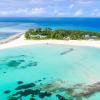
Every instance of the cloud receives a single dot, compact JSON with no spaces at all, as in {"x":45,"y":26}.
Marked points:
{"x":25,"y":12}
{"x":84,"y":1}
{"x":47,"y":7}
{"x":38,"y":11}
{"x":78,"y":13}
{"x":71,"y":6}
{"x":60,"y":13}
{"x":96,"y":12}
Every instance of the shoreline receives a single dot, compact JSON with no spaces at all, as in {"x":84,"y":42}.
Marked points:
{"x":11,"y":38}
{"x":19,"y":40}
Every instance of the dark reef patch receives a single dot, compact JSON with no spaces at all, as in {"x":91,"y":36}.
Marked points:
{"x":4,"y":72}
{"x":18,"y":93}
{"x":61,"y":97}
{"x":17,"y":62}
{"x":24,"y":93}
{"x":39,"y":80}
{"x":13,"y":98}
{"x":7,"y":91}
{"x":60,"y":89}
{"x":20,"y":82}
{"x":44,"y":94}
{"x":26,"y":86}
{"x":14,"y":63}
{"x":32,"y":64}
{"x":27,"y":92}
{"x":44,"y":78}
{"x":32,"y":99}
{"x":32,"y":90}
{"x":35,"y":63}
{"x":23,"y":67}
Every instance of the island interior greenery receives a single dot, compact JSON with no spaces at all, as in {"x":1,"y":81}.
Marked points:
{"x":60,"y":34}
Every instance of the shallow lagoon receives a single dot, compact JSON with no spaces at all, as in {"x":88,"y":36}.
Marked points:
{"x":41,"y":64}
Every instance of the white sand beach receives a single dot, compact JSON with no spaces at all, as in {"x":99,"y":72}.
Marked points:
{"x":21,"y":41}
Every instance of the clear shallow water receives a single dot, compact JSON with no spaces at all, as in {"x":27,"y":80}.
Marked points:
{"x":48,"y":63}
{"x":22,"y":24}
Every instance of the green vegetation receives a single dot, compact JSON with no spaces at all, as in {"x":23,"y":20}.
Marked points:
{"x":60,"y":34}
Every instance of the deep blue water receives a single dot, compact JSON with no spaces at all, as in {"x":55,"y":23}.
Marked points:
{"x":12,"y":24}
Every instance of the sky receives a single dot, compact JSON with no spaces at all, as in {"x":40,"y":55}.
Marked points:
{"x":49,"y":8}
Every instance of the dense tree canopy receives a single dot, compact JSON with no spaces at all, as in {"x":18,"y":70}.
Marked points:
{"x":62,"y":34}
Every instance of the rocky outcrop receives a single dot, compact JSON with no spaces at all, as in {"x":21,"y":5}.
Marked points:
{"x":86,"y":90}
{"x":77,"y":90}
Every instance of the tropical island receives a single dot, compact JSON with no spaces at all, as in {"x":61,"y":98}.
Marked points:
{"x":48,"y":36}
{"x":60,"y":34}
